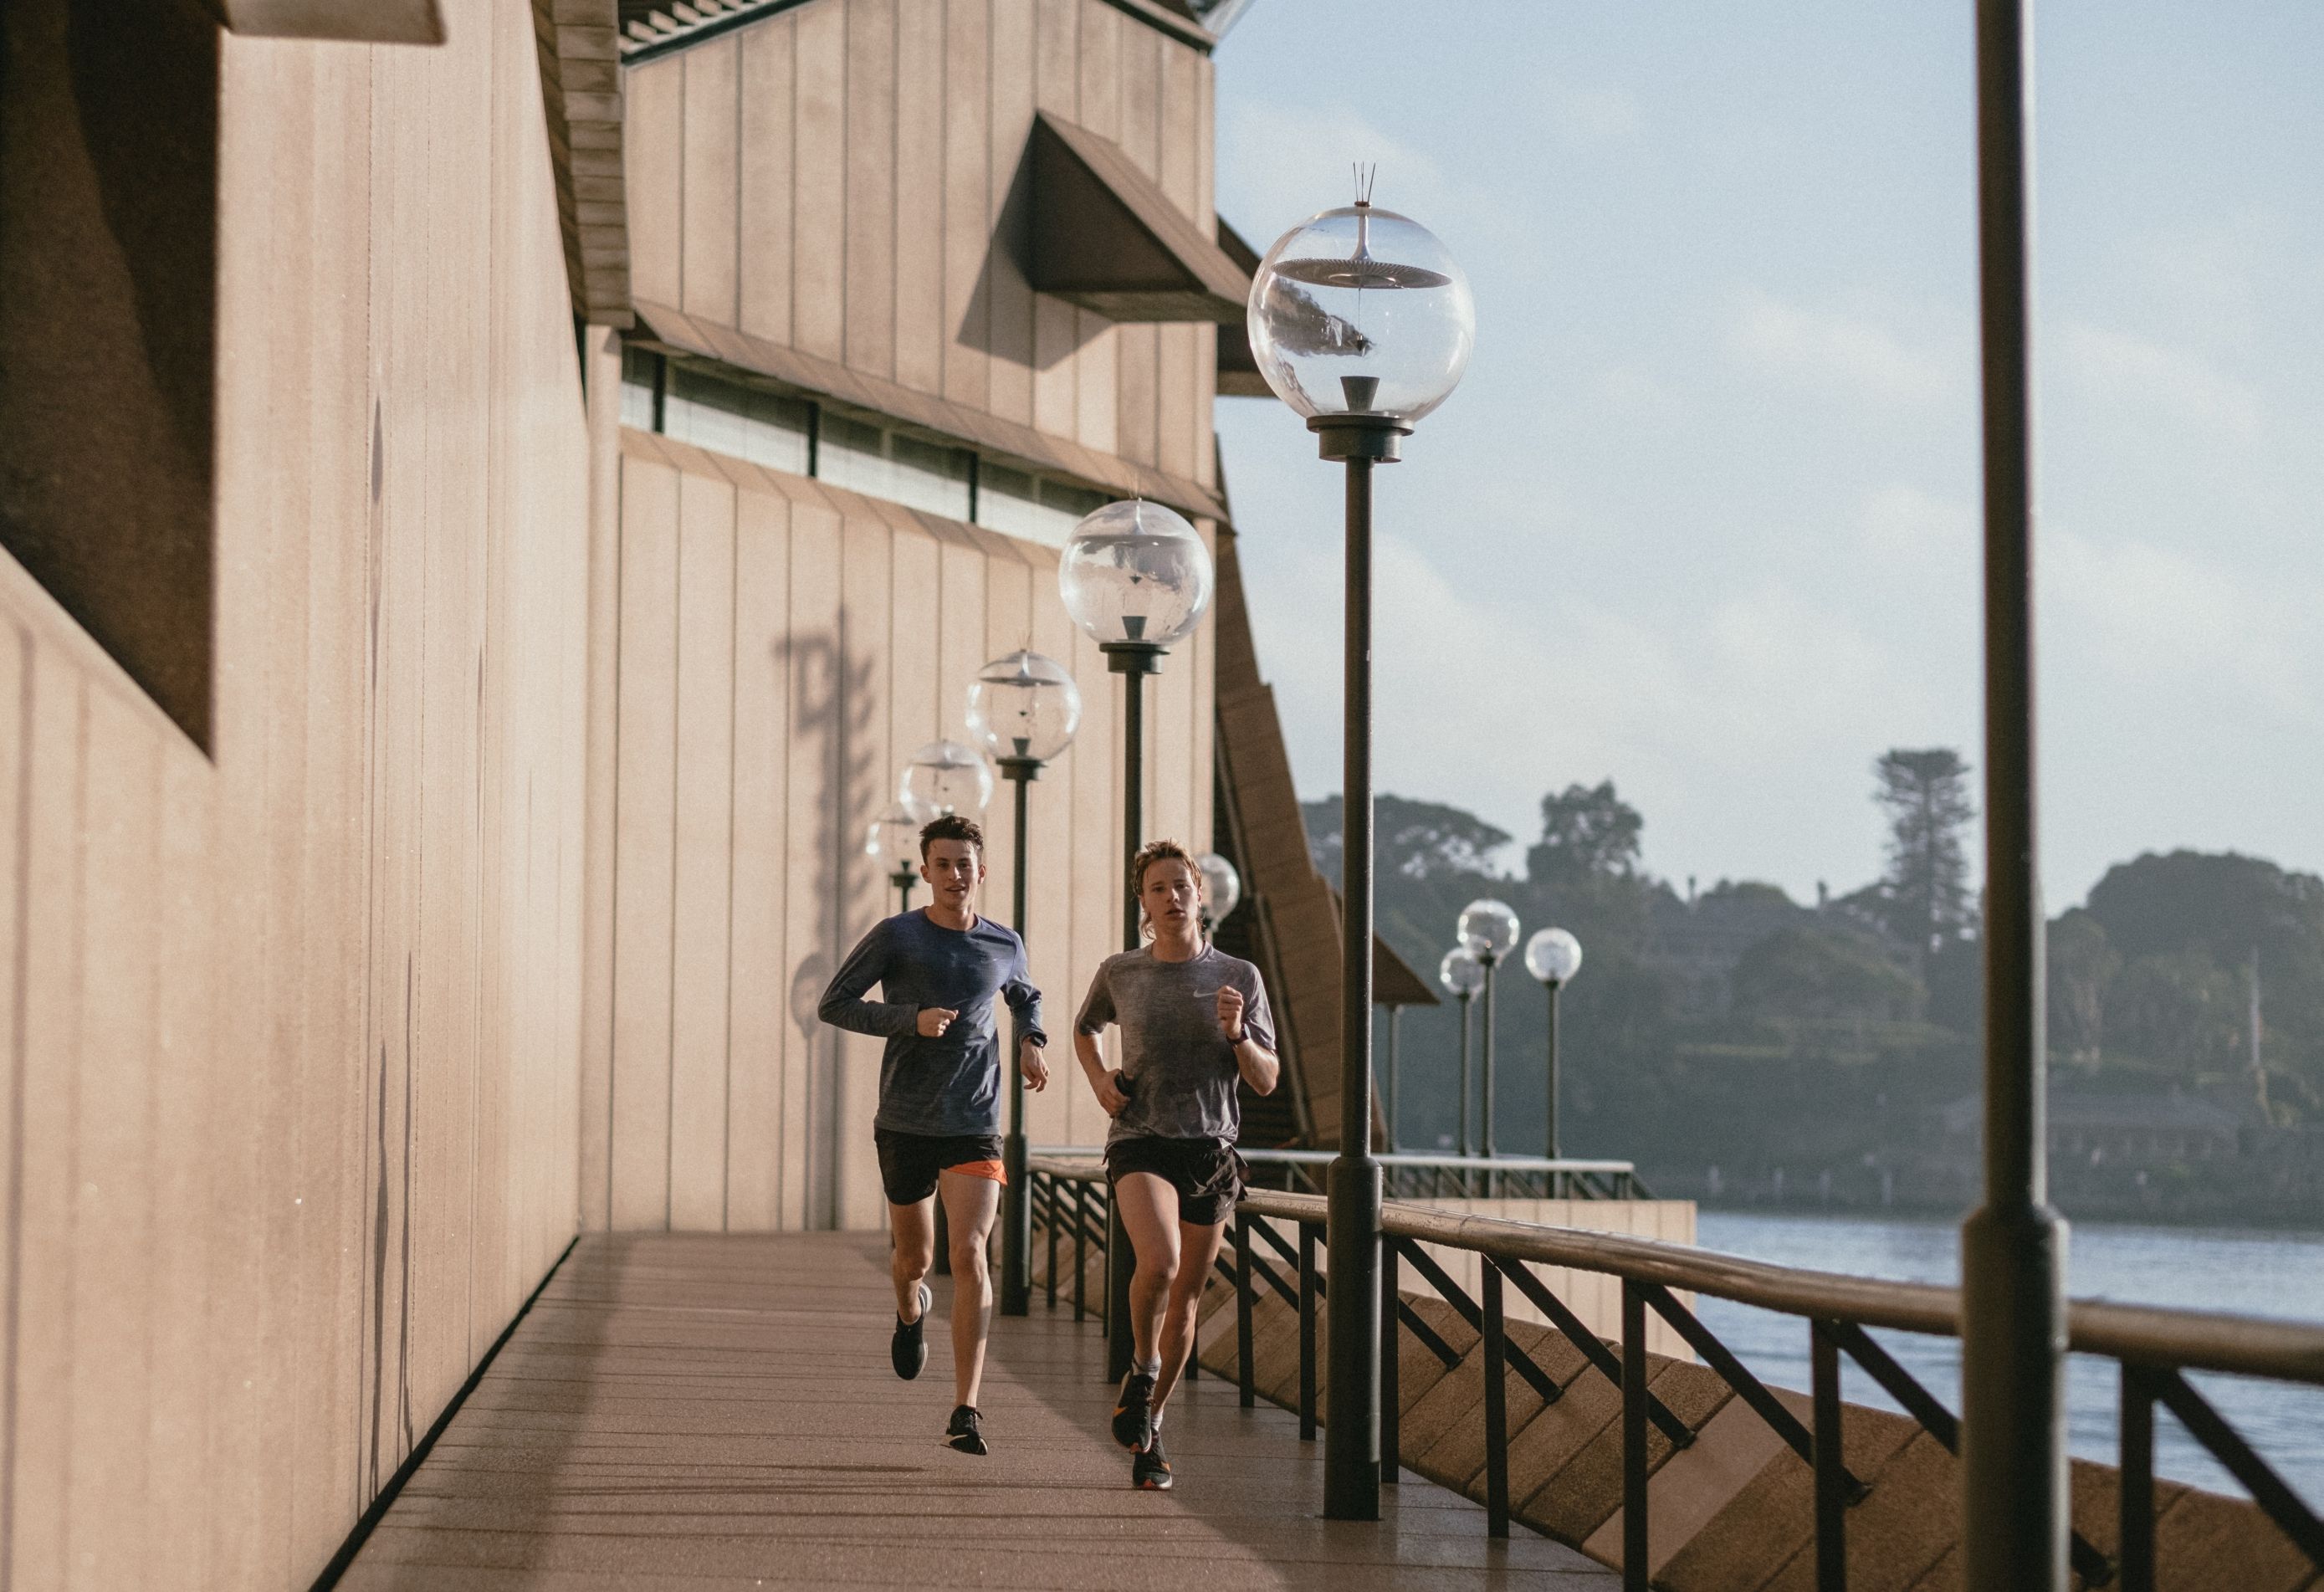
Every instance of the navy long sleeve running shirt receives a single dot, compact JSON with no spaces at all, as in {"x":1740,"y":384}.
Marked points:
{"x":951,"y":1084}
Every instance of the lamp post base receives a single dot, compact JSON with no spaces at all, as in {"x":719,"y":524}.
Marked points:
{"x":1351,"y":1454}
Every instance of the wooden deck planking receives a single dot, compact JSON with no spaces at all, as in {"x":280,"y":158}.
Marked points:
{"x":698,"y":1411}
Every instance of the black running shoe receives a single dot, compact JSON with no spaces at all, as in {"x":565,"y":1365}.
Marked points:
{"x":963,"y":1433}
{"x":908,"y":1351}
{"x":1149,"y":1469}
{"x":1133,"y":1416}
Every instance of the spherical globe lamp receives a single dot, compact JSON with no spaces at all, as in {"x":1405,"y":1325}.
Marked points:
{"x":1135,"y":573}
{"x":1024,"y":706}
{"x":946,"y":777}
{"x":1553,"y":956}
{"x":893,"y":840}
{"x":1359,"y":310}
{"x":1222,"y":886}
{"x":1461,"y":973}
{"x":1487,"y":930}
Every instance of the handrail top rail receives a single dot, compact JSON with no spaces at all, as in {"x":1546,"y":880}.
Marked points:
{"x":2142,"y":1334}
{"x":1393,"y":1158}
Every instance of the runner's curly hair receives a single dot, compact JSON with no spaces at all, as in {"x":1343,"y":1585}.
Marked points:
{"x":952,"y":826}
{"x":1149,"y":854}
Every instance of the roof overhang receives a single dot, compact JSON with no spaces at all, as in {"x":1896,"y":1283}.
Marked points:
{"x":890,"y":401}
{"x":579,"y":44}
{"x":367,"y":22}
{"x":1104,"y":236}
{"x":1238,"y":374}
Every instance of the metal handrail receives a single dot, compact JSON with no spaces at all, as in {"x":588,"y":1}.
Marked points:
{"x":2152,"y":1346}
{"x":1078,"y":1153}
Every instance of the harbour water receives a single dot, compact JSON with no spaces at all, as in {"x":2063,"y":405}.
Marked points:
{"x":2244,"y":1272}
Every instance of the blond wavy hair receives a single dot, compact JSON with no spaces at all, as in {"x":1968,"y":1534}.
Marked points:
{"x":1149,"y":854}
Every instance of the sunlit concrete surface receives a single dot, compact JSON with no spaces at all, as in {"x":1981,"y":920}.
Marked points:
{"x":682,"y":1411}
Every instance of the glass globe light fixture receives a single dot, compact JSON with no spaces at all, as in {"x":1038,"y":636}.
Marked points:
{"x":1024,"y":706}
{"x":1553,"y":956}
{"x":1459,"y":972}
{"x":946,"y":777}
{"x":894,"y":840}
{"x":1360,"y":310}
{"x":1135,"y":572}
{"x":1222,"y":886}
{"x":1488,"y":929}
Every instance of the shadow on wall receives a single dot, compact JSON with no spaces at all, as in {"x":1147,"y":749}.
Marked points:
{"x":833,"y":712}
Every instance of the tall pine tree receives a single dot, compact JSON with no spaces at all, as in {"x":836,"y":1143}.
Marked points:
{"x":1925,"y":794}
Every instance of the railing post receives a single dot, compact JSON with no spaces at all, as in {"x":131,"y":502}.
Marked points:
{"x":2137,"y":1566}
{"x":1081,"y":1207}
{"x":1049,"y":1204}
{"x":1391,"y":1385}
{"x":1244,"y":1358}
{"x":1831,"y":1470}
{"x":1497,"y":1401}
{"x":1634,"y":1438}
{"x":1306,"y":1333}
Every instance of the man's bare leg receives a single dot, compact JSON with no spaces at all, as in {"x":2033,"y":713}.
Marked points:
{"x":1198,"y":1248}
{"x":913,"y":1229}
{"x":1149,"y":1215}
{"x":970,"y":1206}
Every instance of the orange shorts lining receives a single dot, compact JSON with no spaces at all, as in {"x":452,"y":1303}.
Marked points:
{"x":992,"y":1169}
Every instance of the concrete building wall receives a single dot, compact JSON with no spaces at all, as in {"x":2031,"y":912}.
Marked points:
{"x":845,"y":180}
{"x":289,"y":1026}
{"x":783,"y":647}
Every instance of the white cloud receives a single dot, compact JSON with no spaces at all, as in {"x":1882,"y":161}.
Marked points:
{"x":1834,"y":348}
{"x":2121,"y":367}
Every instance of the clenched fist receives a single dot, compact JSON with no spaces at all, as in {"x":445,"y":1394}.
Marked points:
{"x":935,"y":1020}
{"x":1230,"y":1014}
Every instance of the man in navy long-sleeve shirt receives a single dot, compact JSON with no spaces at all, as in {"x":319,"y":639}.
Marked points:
{"x":941,"y":972}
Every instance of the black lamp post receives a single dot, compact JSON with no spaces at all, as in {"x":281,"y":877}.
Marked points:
{"x":1462,"y":975}
{"x":1553,"y":956}
{"x":1137,"y":578}
{"x":1489,"y":929}
{"x":1360,"y":321}
{"x":894,"y":841}
{"x":1023,"y":710}
{"x":2014,"y":1247}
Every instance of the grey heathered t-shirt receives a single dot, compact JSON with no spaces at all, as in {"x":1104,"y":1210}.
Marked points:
{"x":1181,"y":1069}
{"x":947,"y":1085}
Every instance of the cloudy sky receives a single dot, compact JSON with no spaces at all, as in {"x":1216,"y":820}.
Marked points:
{"x":1702,"y":518}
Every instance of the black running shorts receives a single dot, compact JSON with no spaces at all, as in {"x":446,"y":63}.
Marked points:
{"x":1206,"y":1171}
{"x":909,"y":1162}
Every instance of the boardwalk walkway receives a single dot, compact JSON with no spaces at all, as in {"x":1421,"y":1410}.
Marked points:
{"x":683,"y":1412}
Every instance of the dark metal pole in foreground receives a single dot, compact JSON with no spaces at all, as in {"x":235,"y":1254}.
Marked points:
{"x":1485,"y":1078}
{"x":1133,"y":661}
{"x":1351,"y":1477}
{"x":1549,"y":1139}
{"x":1468,"y":1112}
{"x":1016,"y":1197}
{"x":2013,"y":1248}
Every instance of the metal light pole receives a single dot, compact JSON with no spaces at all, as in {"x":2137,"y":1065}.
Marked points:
{"x":1461,"y":975}
{"x":902,"y":880}
{"x":1553,"y":956}
{"x":894,"y":839}
{"x":1391,"y":1116}
{"x":1023,"y":710}
{"x":2014,"y":1247}
{"x":1362,"y":381}
{"x":1488,"y":930}
{"x":1136,"y":578}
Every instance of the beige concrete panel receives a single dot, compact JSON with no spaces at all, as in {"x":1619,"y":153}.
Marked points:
{"x":825,"y":709}
{"x":1182,"y":418}
{"x":711,"y":175}
{"x":820,"y":199}
{"x":868,"y":641}
{"x":644,"y":842}
{"x":702,"y":899}
{"x":653,"y":143}
{"x":49,"y":1019}
{"x":918,"y":225}
{"x":871,"y":169}
{"x":917,"y":699}
{"x":969,"y":202}
{"x":1010,"y":297}
{"x":757,"y":1012}
{"x":185,"y":1059}
{"x":1057,"y":51}
{"x":963,"y":645}
{"x":15,"y":930}
{"x":601,"y":777}
{"x":766,"y":93}
{"x":107,"y":1544}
